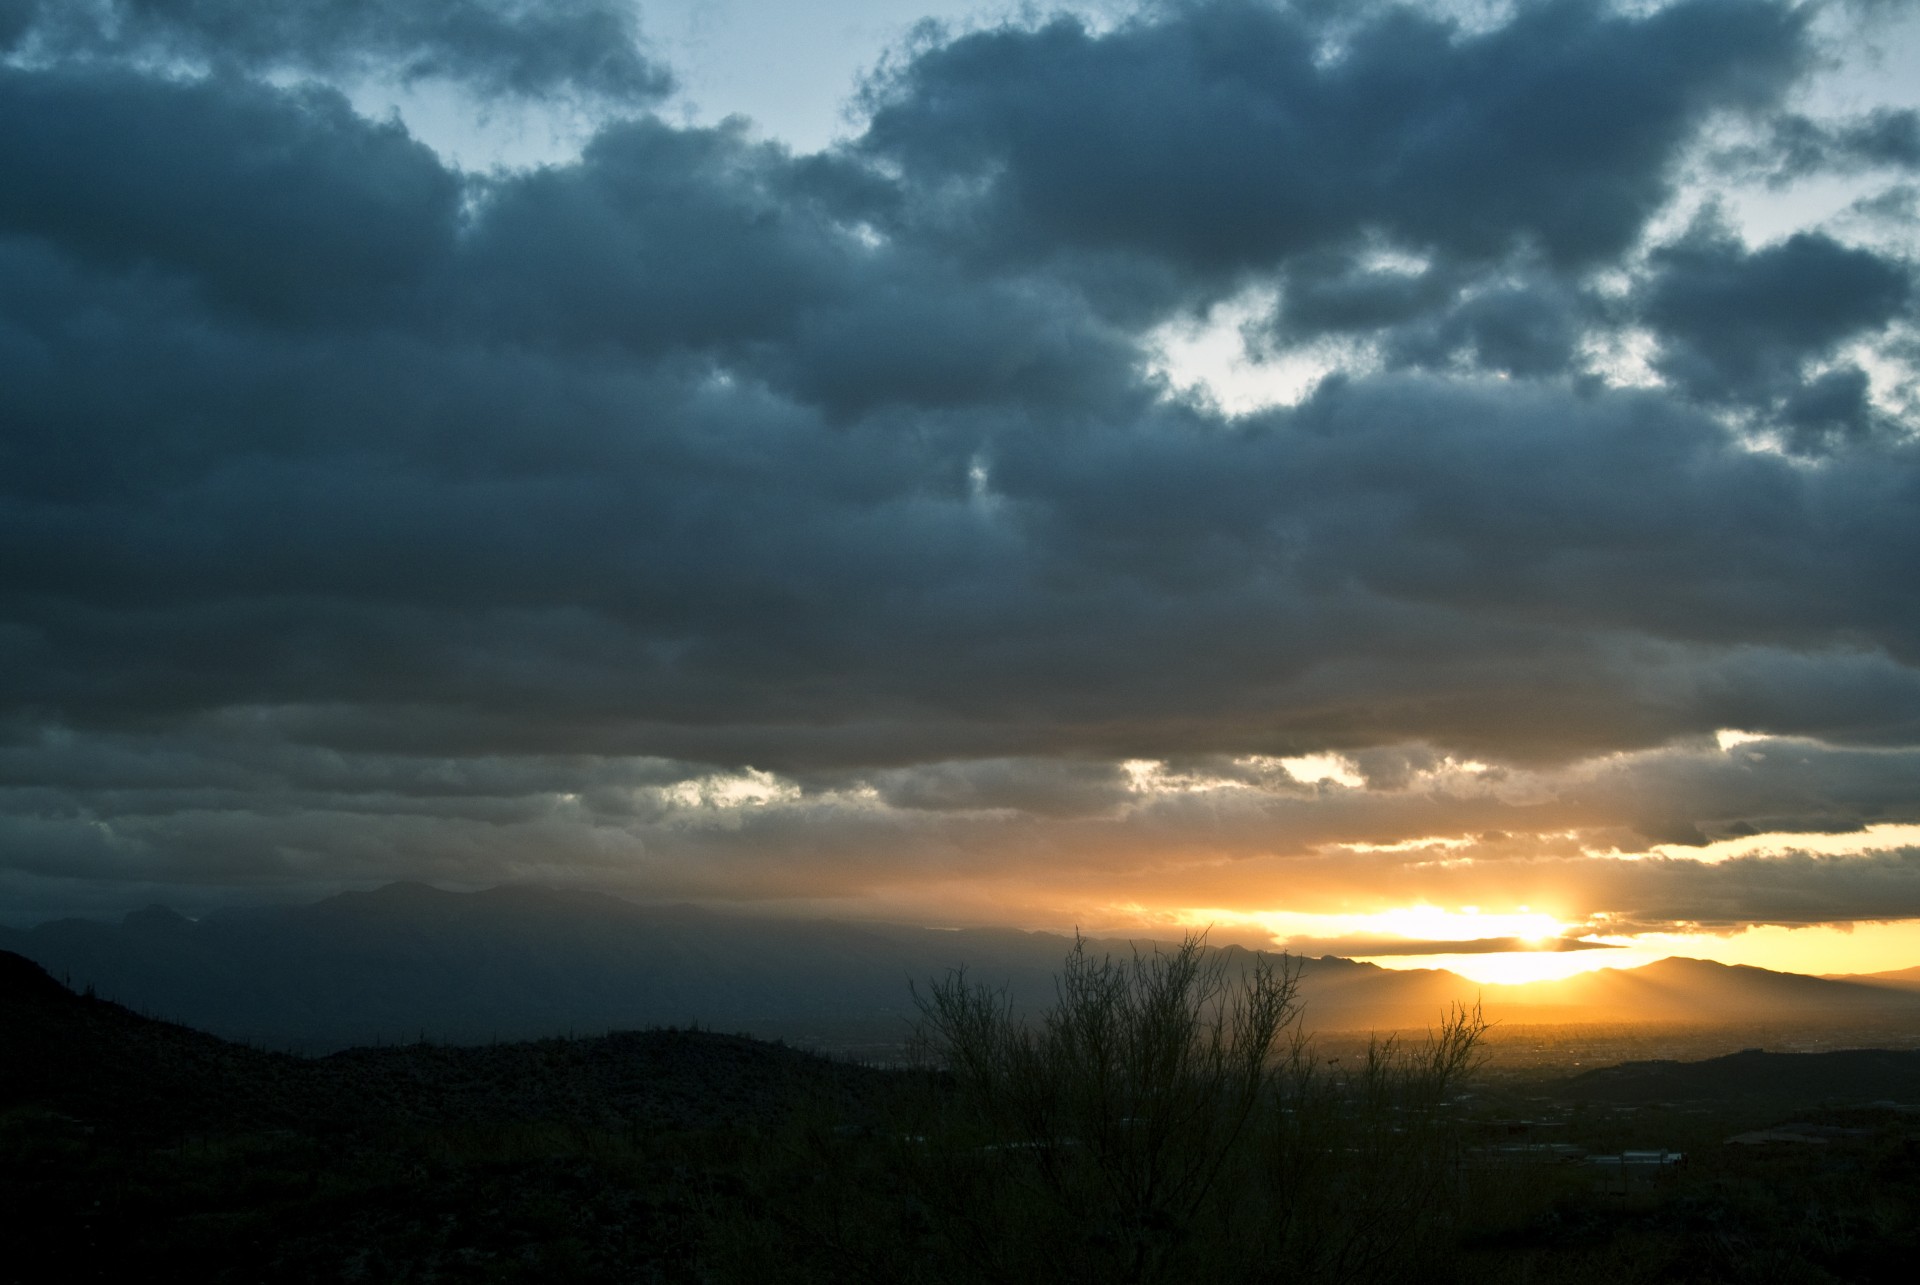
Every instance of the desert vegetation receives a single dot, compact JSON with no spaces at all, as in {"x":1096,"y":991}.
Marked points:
{"x":1168,"y":1117}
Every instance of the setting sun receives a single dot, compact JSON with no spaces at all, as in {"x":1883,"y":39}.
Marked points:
{"x":1513,"y":968}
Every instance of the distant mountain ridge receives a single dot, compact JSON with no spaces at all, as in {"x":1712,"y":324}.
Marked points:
{"x":1902,"y":978}
{"x":408,"y":960}
{"x":1700,"y":990}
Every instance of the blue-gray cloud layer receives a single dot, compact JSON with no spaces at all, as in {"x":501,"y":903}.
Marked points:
{"x":535,"y":48}
{"x":691,"y":454}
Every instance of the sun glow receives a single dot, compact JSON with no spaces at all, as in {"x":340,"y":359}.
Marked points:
{"x":1541,"y":956}
{"x":1419,"y":937}
{"x":1516,"y":968}
{"x":1537,"y":943}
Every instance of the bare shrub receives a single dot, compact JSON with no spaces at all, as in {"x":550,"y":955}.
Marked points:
{"x":1167,"y":1116}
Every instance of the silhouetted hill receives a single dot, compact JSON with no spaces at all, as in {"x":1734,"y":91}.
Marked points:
{"x":1668,"y":991}
{"x":1899,"y":978}
{"x":1701,"y":991}
{"x":1845,"y":1075}
{"x":95,"y":1060}
{"x":25,"y":983}
{"x":133,"y":1150}
{"x":409,"y":961}
{"x":1345,"y":994}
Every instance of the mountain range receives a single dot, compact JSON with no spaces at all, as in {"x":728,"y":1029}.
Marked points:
{"x":1903,"y":978}
{"x":408,"y":961}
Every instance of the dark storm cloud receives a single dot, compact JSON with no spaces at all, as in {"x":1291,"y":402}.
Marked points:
{"x":1831,"y":406}
{"x":1534,"y":507}
{"x":16,"y":16}
{"x":665,"y":240}
{"x":734,"y":523}
{"x":1519,"y":319}
{"x":1738,"y":325}
{"x":659,"y":238}
{"x":1799,"y":147}
{"x":656,"y":553}
{"x":1038,"y":789}
{"x":1894,"y":205}
{"x":1794,"y":890}
{"x":529,"y":47}
{"x":1525,"y":329}
{"x":1781,"y":785}
{"x":1336,"y":291}
{"x":282,"y":203}
{"x":1225,"y":137}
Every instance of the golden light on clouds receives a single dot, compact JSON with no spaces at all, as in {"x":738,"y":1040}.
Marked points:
{"x":1312,"y":769}
{"x":1872,"y":838}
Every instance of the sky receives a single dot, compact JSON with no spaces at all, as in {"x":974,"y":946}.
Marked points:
{"x":1435,"y":483}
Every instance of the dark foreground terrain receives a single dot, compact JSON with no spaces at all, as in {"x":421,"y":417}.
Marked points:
{"x":137,"y":1150}
{"x":134,"y":1149}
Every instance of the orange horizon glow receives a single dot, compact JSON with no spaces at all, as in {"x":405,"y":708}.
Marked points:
{"x":1815,"y":950}
{"x":1519,"y":968}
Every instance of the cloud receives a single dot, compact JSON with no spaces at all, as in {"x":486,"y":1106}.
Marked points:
{"x":704,"y":519}
{"x":562,"y":542}
{"x":1230,"y":136}
{"x":1037,"y":789}
{"x":1792,"y":891}
{"x":238,"y":803}
{"x":16,"y":17}
{"x":1739,"y":325}
{"x":1893,"y":205}
{"x":1372,"y":947}
{"x":1798,"y":147}
{"x":493,"y":46}
{"x":282,"y":204}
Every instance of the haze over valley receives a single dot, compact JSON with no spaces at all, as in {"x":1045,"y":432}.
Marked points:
{"x":410,"y":962}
